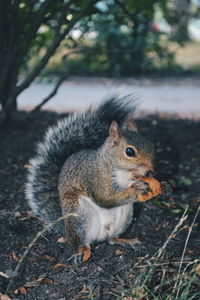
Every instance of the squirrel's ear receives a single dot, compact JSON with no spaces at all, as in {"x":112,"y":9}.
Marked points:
{"x":131,"y":125}
{"x":114,"y":133}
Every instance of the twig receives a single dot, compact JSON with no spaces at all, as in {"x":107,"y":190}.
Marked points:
{"x":32,"y":244}
{"x":52,"y":94}
{"x":168,"y":263}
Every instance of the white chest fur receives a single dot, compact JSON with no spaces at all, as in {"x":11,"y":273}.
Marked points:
{"x":123,"y":178}
{"x":104,"y":223}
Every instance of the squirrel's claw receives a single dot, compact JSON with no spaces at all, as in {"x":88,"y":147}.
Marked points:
{"x":141,"y":187}
{"x":83,"y":255}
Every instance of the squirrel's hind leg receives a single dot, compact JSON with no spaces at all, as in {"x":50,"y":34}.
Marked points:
{"x":75,"y":234}
{"x":75,"y":227}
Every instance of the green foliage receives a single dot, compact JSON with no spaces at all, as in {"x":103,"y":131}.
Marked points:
{"x":116,"y":38}
{"x":119,"y":40}
{"x":55,"y":21}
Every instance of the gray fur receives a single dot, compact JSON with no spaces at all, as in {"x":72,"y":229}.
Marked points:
{"x":85,"y":131}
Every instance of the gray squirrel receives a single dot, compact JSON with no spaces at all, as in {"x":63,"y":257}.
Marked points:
{"x":89,"y":166}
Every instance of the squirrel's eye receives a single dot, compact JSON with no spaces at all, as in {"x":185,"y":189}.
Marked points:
{"x":130,"y":152}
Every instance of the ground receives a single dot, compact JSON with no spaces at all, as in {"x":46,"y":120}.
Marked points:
{"x":113,"y":272}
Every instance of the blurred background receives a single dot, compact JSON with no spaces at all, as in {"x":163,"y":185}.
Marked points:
{"x":64,"y":55}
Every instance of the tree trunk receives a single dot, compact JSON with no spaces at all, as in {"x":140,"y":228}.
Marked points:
{"x":19,"y":26}
{"x":179,"y":20}
{"x":9,"y":107}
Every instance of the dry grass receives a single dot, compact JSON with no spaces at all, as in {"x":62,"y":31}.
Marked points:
{"x":187,"y":56}
{"x":159,"y":280}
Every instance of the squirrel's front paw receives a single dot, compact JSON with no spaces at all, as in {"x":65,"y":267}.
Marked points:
{"x":141,"y":187}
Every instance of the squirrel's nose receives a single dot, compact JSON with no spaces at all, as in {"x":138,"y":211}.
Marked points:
{"x":149,"y":173}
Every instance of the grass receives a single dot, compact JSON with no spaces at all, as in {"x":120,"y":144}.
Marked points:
{"x":158,"y":279}
{"x":188,"y":56}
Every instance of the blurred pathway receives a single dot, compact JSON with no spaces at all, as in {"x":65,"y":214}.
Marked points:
{"x":182,"y":96}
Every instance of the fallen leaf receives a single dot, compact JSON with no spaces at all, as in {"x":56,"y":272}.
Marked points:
{"x":58,"y":266}
{"x":29,"y":285}
{"x":84,"y":289}
{"x":49,"y":258}
{"x":4,"y":297}
{"x":86,"y":252}
{"x":118,"y":252}
{"x":62,"y":240}
{"x":26,"y":166}
{"x":158,"y":228}
{"x":21,"y":290}
{"x":15,"y":256}
{"x":190,"y":252}
{"x":197,"y":270}
{"x":47,"y":280}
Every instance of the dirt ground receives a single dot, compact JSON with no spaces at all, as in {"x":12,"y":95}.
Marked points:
{"x":113,"y":270}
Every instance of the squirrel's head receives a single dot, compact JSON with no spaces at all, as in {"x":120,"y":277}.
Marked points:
{"x":129,"y":150}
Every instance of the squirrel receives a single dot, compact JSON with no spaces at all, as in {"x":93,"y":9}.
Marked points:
{"x":89,"y":167}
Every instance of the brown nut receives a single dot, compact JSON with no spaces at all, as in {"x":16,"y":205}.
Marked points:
{"x":154,"y":186}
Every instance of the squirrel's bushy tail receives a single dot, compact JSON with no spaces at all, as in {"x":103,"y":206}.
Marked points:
{"x":85,"y":131}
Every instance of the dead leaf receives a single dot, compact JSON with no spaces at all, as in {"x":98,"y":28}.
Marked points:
{"x":26,"y":166}
{"x":190,"y":252}
{"x":58,"y":266}
{"x":15,"y":256}
{"x":158,"y":228}
{"x":197,"y":270}
{"x":30,"y":284}
{"x":86,"y":253}
{"x":118,"y":252}
{"x":84,"y":289}
{"x":62,"y":240}
{"x":47,"y":280}
{"x":49,"y":258}
{"x":4,"y":297}
{"x":21,"y":290}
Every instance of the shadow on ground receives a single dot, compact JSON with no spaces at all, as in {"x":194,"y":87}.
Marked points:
{"x":113,"y":270}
